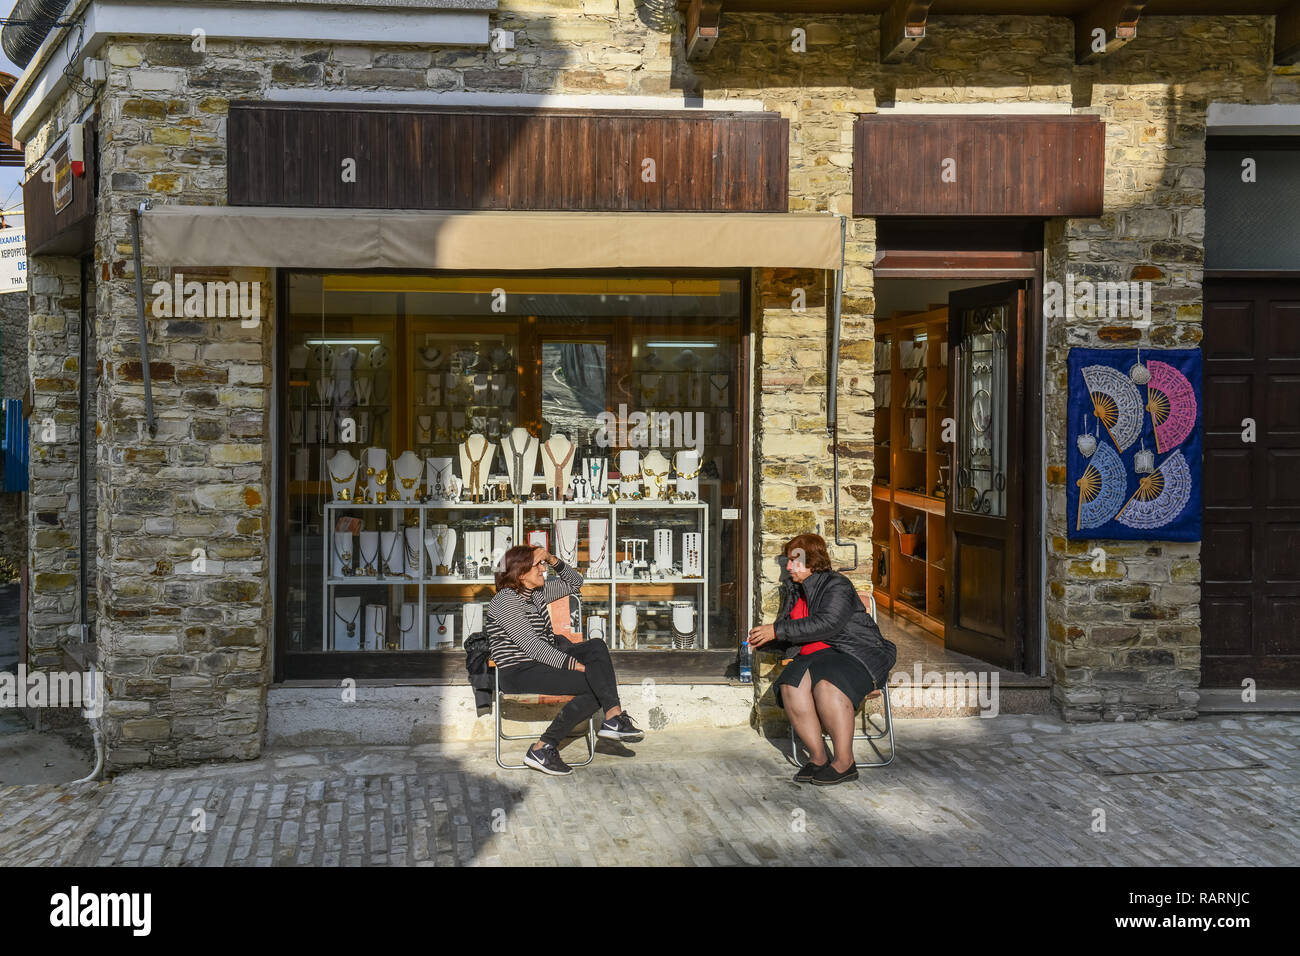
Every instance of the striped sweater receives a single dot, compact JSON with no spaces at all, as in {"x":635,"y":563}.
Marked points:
{"x":518,"y":624}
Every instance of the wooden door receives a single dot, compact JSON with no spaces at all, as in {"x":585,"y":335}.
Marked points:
{"x":985,"y":512}
{"x":1250,"y":547}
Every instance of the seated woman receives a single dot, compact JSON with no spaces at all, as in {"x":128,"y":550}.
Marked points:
{"x":842,"y":657}
{"x":535,"y":660}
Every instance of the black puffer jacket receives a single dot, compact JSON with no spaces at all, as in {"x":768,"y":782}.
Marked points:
{"x":837,"y":616}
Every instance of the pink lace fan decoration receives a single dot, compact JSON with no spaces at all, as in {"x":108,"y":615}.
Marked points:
{"x":1172,"y":404}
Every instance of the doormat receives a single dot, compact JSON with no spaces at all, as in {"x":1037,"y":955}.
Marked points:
{"x":1177,"y":758}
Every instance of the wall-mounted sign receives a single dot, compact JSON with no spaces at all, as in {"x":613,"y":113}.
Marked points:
{"x":62,"y":178}
{"x":13,"y":260}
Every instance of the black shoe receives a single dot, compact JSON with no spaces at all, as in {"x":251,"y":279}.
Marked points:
{"x":547,"y":759}
{"x":828,"y":776}
{"x":620,"y":727}
{"x":806,"y":772}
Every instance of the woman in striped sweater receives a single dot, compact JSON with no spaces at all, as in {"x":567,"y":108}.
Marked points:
{"x":533,"y":659}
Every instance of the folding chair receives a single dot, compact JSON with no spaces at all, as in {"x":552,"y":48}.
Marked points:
{"x":560,"y":623}
{"x":868,"y":724}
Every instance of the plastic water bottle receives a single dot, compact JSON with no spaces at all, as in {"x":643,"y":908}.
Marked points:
{"x":746,"y":664}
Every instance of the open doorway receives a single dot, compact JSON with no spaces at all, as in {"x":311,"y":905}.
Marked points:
{"x":957,"y":540}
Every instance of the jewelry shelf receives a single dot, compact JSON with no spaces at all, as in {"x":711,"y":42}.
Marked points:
{"x":428,"y":588}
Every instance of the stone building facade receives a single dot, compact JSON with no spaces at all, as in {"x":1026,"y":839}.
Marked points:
{"x":188,"y":657}
{"x":13,"y":383}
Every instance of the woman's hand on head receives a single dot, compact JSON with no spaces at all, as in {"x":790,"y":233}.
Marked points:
{"x":763,"y":634}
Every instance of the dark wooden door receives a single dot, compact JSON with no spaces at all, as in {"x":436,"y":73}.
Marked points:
{"x":1250,"y":547}
{"x":985,"y":513}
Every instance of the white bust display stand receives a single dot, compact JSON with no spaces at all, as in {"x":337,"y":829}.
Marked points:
{"x":558,"y":450}
{"x":343,"y":475}
{"x":519,"y":441}
{"x":687,"y":466}
{"x":476,"y":449}
{"x":629,"y":463}
{"x":438,"y":478}
{"x":406,"y":475}
{"x":376,"y":458}
{"x":654,"y":475}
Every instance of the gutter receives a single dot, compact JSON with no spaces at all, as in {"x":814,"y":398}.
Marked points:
{"x":832,"y":398}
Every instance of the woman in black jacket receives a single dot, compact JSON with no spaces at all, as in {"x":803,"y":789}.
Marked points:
{"x":840,"y":657}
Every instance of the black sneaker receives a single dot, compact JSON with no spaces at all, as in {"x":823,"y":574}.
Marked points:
{"x":828,"y":776}
{"x":806,"y":772}
{"x":620,"y":727}
{"x":547,"y":759}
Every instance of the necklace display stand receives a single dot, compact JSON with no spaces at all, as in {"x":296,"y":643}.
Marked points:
{"x":376,"y":627}
{"x":440,"y":543}
{"x":692,"y":562}
{"x":438,"y":478}
{"x":475,"y":464}
{"x":442,"y":628}
{"x":520,"y":451}
{"x":627,"y":627}
{"x":374,"y":464}
{"x":596,"y":472}
{"x":558,"y":465}
{"x":687,"y":466}
{"x":683,"y":625}
{"x":663,"y":539}
{"x":629,"y":473}
{"x":391,"y":546}
{"x":654,"y":469}
{"x":566,"y":541}
{"x":409,"y":626}
{"x":478,"y":550}
{"x":368,"y":552}
{"x":539,"y":539}
{"x":347,"y":624}
{"x":406,"y":472}
{"x":343,"y":475}
{"x":598,"y":548}
{"x":597,"y":628}
{"x":502,"y":541}
{"x":344,"y":545}
{"x":413,"y":557}
{"x":473,"y":615}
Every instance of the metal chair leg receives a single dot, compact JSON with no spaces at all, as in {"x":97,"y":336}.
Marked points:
{"x":887,"y":730}
{"x":589,"y":736}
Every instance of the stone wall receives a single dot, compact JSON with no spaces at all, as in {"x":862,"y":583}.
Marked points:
{"x":188,"y":654}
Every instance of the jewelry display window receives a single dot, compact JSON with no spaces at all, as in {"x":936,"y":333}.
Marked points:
{"x":451,"y":417}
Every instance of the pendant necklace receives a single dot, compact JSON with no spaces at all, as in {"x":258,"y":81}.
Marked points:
{"x":345,"y":558}
{"x":407,"y":630}
{"x":442,"y":622}
{"x":388,"y":557}
{"x":412,"y":554}
{"x":558,"y":468}
{"x":352,"y":624}
{"x":369,"y":561}
{"x":474,"y":482}
{"x":568,"y":549}
{"x":598,"y":560}
{"x":719,"y":391}
{"x":518,"y":457}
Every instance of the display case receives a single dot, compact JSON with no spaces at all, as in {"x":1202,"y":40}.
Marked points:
{"x":913,"y":473}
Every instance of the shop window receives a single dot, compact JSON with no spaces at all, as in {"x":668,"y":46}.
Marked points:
{"x":433,"y":421}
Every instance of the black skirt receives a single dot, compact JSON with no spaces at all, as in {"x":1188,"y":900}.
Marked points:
{"x":843,"y":670}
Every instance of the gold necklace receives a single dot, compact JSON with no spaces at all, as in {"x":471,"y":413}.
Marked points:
{"x":408,"y":483}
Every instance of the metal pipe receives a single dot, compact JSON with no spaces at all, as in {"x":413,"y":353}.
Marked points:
{"x":832,"y":399}
{"x":139,"y":311}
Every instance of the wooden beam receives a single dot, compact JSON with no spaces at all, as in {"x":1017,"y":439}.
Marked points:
{"x":702,"y":18}
{"x":1286,"y":38}
{"x":1116,"y":19}
{"x":902,"y":27}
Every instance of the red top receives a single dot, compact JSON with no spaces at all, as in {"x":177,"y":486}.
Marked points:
{"x":798,"y":612}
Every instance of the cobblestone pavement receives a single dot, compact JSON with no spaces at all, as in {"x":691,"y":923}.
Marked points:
{"x":1014,"y":789}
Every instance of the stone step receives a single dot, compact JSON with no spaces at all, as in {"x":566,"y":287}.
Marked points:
{"x":1228,"y":701}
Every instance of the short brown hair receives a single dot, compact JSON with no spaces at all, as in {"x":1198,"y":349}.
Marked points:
{"x":815,"y":556}
{"x":517,"y":562}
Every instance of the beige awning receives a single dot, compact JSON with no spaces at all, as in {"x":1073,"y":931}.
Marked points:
{"x":303,"y":238}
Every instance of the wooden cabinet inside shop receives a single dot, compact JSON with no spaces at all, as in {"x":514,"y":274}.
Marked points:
{"x":913,"y":467}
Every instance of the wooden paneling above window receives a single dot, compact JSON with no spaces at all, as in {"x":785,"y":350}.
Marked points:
{"x":978,"y":166}
{"x":285,"y":154}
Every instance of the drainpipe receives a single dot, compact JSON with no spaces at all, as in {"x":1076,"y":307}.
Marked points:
{"x":832,"y":399}
{"x":136,"y":215}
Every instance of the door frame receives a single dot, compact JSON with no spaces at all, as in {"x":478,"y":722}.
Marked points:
{"x":959,"y":248}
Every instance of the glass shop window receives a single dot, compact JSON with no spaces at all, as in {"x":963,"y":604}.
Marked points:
{"x":434,"y":421}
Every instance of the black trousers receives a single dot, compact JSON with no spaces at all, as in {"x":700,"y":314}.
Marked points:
{"x":592,"y":688}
